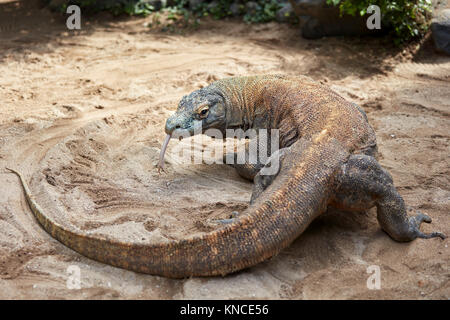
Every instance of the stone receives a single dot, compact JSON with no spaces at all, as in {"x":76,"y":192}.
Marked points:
{"x":285,"y":13}
{"x":440,"y":28}
{"x":156,"y":4}
{"x":252,"y":7}
{"x":56,"y":4}
{"x":235,"y":9}
{"x":318,"y":19}
{"x":213,"y":5}
{"x":168,"y":3}
{"x":194,"y":4}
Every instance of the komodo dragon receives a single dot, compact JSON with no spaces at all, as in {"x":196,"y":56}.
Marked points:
{"x":326,"y":151}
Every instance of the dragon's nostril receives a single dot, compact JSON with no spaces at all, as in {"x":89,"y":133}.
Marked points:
{"x":171,"y":125}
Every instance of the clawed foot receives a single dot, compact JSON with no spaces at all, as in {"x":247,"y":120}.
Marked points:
{"x":415,"y":222}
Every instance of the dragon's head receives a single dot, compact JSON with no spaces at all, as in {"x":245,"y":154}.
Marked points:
{"x":203,"y":108}
{"x":197,"y":112}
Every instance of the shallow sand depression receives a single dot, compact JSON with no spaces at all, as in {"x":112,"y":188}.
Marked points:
{"x":82,"y":117}
{"x":102,"y":180}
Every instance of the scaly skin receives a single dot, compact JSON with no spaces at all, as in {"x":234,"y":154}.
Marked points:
{"x":326,"y":159}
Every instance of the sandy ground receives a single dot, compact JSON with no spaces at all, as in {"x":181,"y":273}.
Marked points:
{"x":82,"y":116}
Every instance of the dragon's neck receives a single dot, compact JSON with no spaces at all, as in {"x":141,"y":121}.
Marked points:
{"x":250,"y":105}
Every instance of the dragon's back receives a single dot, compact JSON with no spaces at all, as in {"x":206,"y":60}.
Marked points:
{"x":300,"y":107}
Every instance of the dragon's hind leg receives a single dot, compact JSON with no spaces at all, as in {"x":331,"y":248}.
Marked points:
{"x":363,"y":183}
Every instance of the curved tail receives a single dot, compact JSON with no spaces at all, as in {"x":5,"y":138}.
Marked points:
{"x":220,"y":252}
{"x":299,"y":193}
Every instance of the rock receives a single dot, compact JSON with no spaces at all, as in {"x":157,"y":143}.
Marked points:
{"x":168,"y":3}
{"x":194,"y":4}
{"x":312,"y":29}
{"x":252,"y":7}
{"x":235,"y":9}
{"x":156,"y":4}
{"x":440,"y":28}
{"x":56,"y":4}
{"x":311,"y":3}
{"x":285,"y":13}
{"x":213,"y":5}
{"x":325,"y":20}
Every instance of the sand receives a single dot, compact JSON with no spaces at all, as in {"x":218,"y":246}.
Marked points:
{"x":82,"y":116}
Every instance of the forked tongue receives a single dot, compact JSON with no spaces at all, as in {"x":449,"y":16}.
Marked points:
{"x":163,"y":152}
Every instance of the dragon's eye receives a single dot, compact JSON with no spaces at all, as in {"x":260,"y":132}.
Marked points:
{"x":203,"y":112}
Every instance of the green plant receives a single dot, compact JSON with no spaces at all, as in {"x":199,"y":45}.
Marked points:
{"x":267,"y":11}
{"x":180,"y":13}
{"x":116,"y":7}
{"x":408,"y":19}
